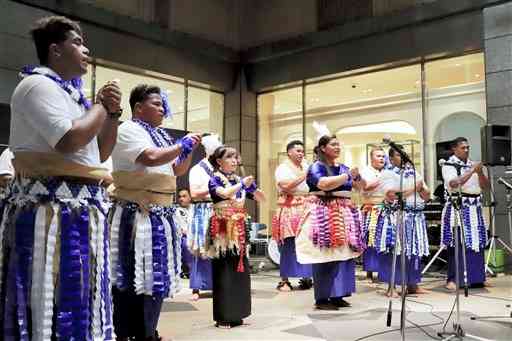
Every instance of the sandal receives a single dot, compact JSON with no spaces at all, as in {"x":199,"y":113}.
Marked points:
{"x":305,"y":283}
{"x":281,"y":285}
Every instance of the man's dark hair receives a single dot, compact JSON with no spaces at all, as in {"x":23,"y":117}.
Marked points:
{"x":456,"y":142}
{"x":183,"y":189}
{"x":293,"y":143}
{"x":392,"y":151}
{"x":51,"y":30}
{"x":141,"y":93}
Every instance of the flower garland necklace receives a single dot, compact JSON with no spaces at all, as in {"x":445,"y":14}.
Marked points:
{"x":72,"y":87}
{"x":159,"y":136}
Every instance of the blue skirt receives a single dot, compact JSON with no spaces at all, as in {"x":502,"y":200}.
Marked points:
{"x":371,"y":260}
{"x":412,"y":269}
{"x":288,"y":265}
{"x":475,"y":266}
{"x":334,"y":279}
{"x":201,"y":274}
{"x":186,"y":255}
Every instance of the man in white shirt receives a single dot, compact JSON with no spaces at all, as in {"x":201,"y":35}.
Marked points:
{"x":199,"y":177}
{"x":183,"y":214}
{"x":58,"y":140}
{"x":146,"y":162}
{"x":472,"y":180}
{"x":373,"y":208}
{"x":291,"y":182}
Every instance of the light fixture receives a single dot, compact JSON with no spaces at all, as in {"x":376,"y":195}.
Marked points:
{"x":458,"y":64}
{"x":477,"y":75}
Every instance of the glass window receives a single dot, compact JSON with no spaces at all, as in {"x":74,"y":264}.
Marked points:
{"x":279,"y":122}
{"x":127,"y":81}
{"x":455,"y":106}
{"x":205,"y":111}
{"x":362,"y":109}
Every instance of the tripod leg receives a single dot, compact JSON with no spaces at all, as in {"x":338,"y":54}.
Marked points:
{"x":492,"y":246}
{"x":433,"y":259}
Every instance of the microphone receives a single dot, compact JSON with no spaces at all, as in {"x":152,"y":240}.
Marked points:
{"x":443,"y":162}
{"x":505,"y":183}
{"x":403,"y":155}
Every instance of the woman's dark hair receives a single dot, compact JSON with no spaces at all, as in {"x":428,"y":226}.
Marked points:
{"x":141,"y":93}
{"x":324,"y":141}
{"x":51,"y":30}
{"x":219,"y":153}
{"x":392,"y":151}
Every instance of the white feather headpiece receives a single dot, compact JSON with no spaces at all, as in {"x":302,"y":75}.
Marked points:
{"x":210,"y":143}
{"x":321,"y":130}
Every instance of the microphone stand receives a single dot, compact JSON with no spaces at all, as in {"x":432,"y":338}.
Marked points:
{"x":456,"y":201}
{"x":400,"y":234}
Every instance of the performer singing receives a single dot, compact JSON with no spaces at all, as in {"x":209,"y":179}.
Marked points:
{"x":146,"y":253}
{"x":291,"y":181}
{"x":373,"y":208}
{"x":54,"y":245}
{"x":330,"y":235}
{"x":183,"y":215}
{"x":414,"y":193}
{"x":199,"y":177}
{"x":472,"y":181}
{"x":228,"y":237}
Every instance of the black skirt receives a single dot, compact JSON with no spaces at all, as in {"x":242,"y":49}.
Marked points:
{"x":231,"y":290}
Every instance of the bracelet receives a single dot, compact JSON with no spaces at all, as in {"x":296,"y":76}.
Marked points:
{"x":116,"y":114}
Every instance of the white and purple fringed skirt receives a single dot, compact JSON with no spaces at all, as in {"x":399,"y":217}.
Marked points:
{"x":474,"y":235}
{"x":200,"y":266}
{"x":373,"y":218}
{"x":416,"y":245}
{"x":54,"y":262}
{"x":146,"y":261}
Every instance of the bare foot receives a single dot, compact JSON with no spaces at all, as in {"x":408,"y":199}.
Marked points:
{"x":195,"y":296}
{"x":451,"y":286}
{"x":488,"y":284}
{"x":393,"y":294}
{"x":418,"y":291}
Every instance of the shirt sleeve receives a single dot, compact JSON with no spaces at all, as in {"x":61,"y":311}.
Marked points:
{"x":449,"y":173}
{"x":132,"y":140}
{"x":44,"y":108}
{"x":315,"y":172}
{"x":198,"y":179}
{"x":213,"y":184}
{"x":6,"y":167}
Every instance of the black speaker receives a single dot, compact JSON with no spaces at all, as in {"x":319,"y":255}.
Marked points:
{"x":495,"y":144}
{"x":443,"y":151}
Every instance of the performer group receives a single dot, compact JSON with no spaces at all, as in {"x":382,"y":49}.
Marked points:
{"x":88,"y":253}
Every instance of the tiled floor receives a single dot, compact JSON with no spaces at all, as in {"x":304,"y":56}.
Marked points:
{"x":290,"y":316}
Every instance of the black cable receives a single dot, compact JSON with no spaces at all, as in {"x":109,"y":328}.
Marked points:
{"x":492,"y":297}
{"x":431,"y":313}
{"x":449,"y":316}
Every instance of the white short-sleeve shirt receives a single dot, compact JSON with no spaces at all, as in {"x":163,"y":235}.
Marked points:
{"x":41,"y":114}
{"x":6,"y":167}
{"x":472,"y":186}
{"x":285,"y":172}
{"x":392,"y":180}
{"x":132,"y":140}
{"x":371,"y":175}
{"x":199,"y":178}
